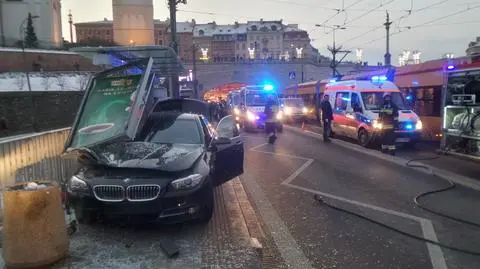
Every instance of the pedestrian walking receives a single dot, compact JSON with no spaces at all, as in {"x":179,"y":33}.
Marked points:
{"x":327,"y":118}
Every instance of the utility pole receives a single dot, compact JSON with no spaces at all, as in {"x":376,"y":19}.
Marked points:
{"x":388,"y":56}
{"x":335,"y":50}
{"x":173,"y":28}
{"x":70,"y":21}
{"x":195,"y":87}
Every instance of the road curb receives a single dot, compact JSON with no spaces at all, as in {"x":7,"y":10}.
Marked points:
{"x":230,"y":231}
{"x":446,"y":175}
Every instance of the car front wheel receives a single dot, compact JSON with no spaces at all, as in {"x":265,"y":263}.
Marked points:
{"x":363,"y":138}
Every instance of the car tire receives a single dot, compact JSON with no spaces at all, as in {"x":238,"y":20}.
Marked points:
{"x":206,"y":212}
{"x":364,"y":138}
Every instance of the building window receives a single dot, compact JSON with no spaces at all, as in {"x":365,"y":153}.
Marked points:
{"x":254,"y":28}
{"x":201,"y":32}
{"x":274,"y":28}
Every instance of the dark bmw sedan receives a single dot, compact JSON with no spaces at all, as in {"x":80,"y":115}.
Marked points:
{"x":165,"y":174}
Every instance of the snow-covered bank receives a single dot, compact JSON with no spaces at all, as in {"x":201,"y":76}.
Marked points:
{"x":44,"y":81}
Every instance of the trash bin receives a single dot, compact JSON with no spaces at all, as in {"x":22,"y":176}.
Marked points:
{"x":34,"y":228}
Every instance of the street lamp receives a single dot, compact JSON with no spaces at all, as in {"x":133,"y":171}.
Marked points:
{"x":27,"y":74}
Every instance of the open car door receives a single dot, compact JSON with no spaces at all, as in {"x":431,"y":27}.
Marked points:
{"x":113,"y":106}
{"x":229,"y":152}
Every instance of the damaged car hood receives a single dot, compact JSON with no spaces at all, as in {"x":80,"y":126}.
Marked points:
{"x":165,"y":157}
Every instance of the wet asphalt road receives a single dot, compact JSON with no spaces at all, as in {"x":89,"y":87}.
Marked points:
{"x":312,"y":235}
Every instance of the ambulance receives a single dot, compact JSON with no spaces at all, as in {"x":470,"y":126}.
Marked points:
{"x":356,"y":104}
{"x":249,"y":109}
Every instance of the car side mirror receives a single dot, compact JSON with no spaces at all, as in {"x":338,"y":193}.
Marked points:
{"x":222,"y":141}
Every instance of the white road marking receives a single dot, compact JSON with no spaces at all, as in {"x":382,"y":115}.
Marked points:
{"x":288,"y":247}
{"x":435,"y":252}
{"x":258,"y":146}
{"x":459,"y":179}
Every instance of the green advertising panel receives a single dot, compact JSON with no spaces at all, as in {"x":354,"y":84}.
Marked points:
{"x":107,"y":110}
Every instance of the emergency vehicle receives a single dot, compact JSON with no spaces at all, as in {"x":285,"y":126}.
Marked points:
{"x":356,"y":104}
{"x":248,"y":105}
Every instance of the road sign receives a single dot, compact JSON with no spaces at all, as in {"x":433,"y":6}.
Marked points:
{"x":292,"y":75}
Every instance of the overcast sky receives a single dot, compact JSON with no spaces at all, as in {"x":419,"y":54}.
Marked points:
{"x":434,"y":27}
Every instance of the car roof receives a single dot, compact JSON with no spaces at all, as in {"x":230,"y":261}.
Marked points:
{"x":178,"y":115}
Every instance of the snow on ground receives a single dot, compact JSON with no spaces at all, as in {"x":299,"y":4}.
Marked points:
{"x":44,"y":81}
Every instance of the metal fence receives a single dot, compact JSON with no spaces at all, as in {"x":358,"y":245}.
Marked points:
{"x":35,"y":157}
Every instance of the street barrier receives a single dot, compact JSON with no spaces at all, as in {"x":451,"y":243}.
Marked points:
{"x":34,"y":157}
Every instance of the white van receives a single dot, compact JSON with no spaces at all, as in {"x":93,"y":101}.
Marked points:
{"x":356,"y":104}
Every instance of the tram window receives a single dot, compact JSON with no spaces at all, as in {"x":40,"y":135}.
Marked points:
{"x":341,"y":101}
{"x":428,"y":101}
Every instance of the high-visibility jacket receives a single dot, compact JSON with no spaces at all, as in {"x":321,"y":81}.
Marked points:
{"x":388,"y":115}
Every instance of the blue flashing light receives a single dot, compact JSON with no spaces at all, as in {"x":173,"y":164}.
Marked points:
{"x":409,"y":126}
{"x":333,"y":81}
{"x":409,"y":97}
{"x":268,"y":87}
{"x":379,"y":78}
{"x":346,"y":99}
{"x":450,"y":67}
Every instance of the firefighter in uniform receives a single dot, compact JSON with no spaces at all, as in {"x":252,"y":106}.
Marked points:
{"x":271,"y":108}
{"x":388,"y":116}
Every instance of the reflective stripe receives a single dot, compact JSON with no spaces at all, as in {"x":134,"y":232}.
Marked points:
{"x":391,"y":147}
{"x":384,"y":146}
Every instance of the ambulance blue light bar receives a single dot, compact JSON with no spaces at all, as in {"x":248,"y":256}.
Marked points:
{"x":450,"y":67}
{"x":268,"y":87}
{"x":376,"y":79}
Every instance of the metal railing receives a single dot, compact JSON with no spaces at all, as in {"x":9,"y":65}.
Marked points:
{"x":35,"y":157}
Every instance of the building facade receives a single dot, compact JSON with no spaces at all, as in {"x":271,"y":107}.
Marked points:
{"x":265,"y":39}
{"x":296,"y":43}
{"x":133,"y":22}
{"x":47,"y":23}
{"x":210,"y":42}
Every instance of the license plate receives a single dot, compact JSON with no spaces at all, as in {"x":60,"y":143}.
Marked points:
{"x":403,"y":140}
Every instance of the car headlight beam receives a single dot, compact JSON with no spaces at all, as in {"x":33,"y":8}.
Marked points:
{"x":305,"y":110}
{"x":419,"y":125}
{"x":279,"y":115}
{"x":377,"y":125}
{"x":250,"y":116}
{"x":187,"y":182}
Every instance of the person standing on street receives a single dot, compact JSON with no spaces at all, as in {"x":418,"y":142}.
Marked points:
{"x":388,"y":116}
{"x":327,"y":118}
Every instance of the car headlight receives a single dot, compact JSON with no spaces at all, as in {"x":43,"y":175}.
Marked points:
{"x":305,"y":110}
{"x":279,"y":115}
{"x":236,"y":111}
{"x":419,"y":125}
{"x":76,"y":183}
{"x":187,"y":182}
{"x":377,"y":125}
{"x":250,"y":116}
{"x":288,"y":110}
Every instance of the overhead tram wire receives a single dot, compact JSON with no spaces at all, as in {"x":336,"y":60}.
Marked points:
{"x":425,"y":24}
{"x":235,"y":16}
{"x":410,"y":12}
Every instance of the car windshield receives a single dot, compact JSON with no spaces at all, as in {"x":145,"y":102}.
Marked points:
{"x":174,"y":131}
{"x":258,"y":99}
{"x":294,"y":102}
{"x":374,"y":100}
